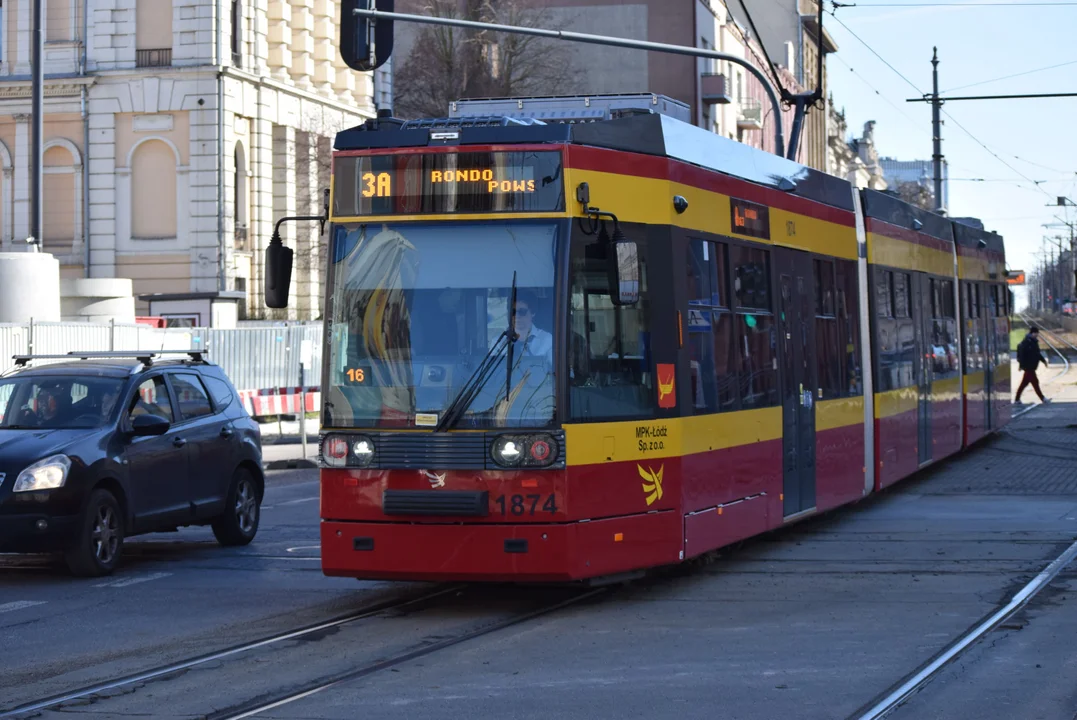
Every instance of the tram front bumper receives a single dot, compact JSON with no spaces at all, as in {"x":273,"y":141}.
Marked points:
{"x":486,"y":552}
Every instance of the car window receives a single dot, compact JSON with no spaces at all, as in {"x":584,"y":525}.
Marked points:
{"x":57,"y":401}
{"x":151,"y":398}
{"x":222,"y":394}
{"x":192,"y":396}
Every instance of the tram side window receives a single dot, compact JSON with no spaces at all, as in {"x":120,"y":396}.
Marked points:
{"x":944,"y":329}
{"x":895,"y":332}
{"x":610,"y":374}
{"x":848,"y":286}
{"x":709,"y":327}
{"x":828,"y":354}
{"x":755,"y":328}
{"x":902,"y":302}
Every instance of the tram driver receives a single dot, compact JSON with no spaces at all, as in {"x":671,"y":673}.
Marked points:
{"x":532,"y":341}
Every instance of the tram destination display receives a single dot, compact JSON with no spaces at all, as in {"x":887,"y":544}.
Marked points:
{"x":424,"y":183}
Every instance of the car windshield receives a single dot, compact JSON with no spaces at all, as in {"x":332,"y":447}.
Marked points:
{"x":57,"y":402}
{"x":417,"y":307}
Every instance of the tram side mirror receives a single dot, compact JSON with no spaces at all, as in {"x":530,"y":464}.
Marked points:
{"x":278,"y":279}
{"x":624,"y":272}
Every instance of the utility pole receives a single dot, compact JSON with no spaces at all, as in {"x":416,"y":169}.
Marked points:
{"x":936,"y":128}
{"x":37,"y":126}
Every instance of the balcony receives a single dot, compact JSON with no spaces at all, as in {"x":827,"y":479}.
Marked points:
{"x":714,"y":88}
{"x":159,"y":57}
{"x":750,"y":115}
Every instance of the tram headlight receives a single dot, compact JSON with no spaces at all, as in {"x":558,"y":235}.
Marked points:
{"x":347,"y":451}
{"x":508,"y":451}
{"x":335,"y":451}
{"x":362,"y":450}
{"x":531,"y":451}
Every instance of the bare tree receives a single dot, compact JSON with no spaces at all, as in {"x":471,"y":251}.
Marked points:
{"x":447,"y":64}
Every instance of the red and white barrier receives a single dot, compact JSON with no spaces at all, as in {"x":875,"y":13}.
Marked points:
{"x":279,"y":401}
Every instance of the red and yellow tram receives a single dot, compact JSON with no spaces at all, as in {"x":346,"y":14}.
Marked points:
{"x":563,"y":351}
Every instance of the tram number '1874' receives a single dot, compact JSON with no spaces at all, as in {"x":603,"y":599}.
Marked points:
{"x":526,"y":504}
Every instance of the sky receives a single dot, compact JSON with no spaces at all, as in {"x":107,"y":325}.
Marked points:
{"x":1035,"y":140}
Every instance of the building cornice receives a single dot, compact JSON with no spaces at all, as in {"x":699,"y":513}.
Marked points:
{"x":268,"y":82}
{"x":19,"y":89}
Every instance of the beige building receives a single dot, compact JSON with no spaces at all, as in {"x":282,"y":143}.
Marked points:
{"x":857,"y":159}
{"x":175,"y":133}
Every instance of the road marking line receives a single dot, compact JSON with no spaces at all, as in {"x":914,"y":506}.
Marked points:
{"x":296,"y":502}
{"x":20,"y":605}
{"x":134,"y":580}
{"x":303,"y":547}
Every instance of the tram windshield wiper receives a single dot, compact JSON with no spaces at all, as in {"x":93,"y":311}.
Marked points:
{"x":484,"y":371}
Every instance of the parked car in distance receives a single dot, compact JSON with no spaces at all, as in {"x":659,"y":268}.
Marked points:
{"x":98,"y":447}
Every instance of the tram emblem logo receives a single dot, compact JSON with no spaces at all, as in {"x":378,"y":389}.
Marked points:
{"x":652,"y":483}
{"x":667,"y":376}
{"x":436,"y":480}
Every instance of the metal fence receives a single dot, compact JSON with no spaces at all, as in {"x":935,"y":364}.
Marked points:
{"x":254,"y":358}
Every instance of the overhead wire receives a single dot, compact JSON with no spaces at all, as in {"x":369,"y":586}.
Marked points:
{"x":1008,"y":77}
{"x":770,"y":63}
{"x":911,"y":84}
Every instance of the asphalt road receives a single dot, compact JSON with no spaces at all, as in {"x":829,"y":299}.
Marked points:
{"x":176,"y":595}
{"x":815,"y":621}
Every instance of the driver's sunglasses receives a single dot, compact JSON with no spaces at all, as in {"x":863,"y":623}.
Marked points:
{"x":523,"y":312}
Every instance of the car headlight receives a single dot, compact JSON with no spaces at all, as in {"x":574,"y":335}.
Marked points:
{"x":47,"y":474}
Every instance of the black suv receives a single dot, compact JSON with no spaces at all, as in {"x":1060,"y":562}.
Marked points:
{"x":103,"y":446}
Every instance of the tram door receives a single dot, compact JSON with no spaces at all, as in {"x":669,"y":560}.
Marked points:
{"x":922,"y":309}
{"x":796,"y":329}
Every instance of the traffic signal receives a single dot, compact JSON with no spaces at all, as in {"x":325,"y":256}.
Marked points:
{"x":365,"y":44}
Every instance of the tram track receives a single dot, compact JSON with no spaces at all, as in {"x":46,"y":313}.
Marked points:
{"x":162,"y":671}
{"x":894,"y":697}
{"x":332,"y":653}
{"x":259,"y":706}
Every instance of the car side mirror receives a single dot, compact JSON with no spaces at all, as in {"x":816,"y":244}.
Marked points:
{"x":148,"y":425}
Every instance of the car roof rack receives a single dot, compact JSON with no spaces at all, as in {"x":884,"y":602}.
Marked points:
{"x":143,"y":356}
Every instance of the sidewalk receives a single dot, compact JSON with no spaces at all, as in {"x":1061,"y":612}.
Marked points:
{"x":282,"y":448}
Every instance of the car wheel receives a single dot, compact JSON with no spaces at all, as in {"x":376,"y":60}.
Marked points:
{"x":96,"y":549}
{"x":239,"y":523}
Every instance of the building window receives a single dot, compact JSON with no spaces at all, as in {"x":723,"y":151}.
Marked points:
{"x":153,"y":33}
{"x":61,"y":184}
{"x":61,"y":20}
{"x":153,"y":191}
{"x":237,"y":26}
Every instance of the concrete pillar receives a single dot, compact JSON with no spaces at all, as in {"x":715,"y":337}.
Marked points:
{"x":308,"y":237}
{"x":284,"y":199}
{"x":21,"y":209}
{"x":25,"y":22}
{"x":279,"y":15}
{"x":302,"y":69}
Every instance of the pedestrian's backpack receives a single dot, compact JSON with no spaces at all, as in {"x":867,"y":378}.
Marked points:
{"x":1027,"y":352}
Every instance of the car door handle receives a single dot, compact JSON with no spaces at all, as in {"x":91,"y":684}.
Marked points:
{"x":179,"y":442}
{"x":226,"y":432}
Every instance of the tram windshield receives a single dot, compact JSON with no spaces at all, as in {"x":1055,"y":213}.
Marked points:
{"x":416,"y":308}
